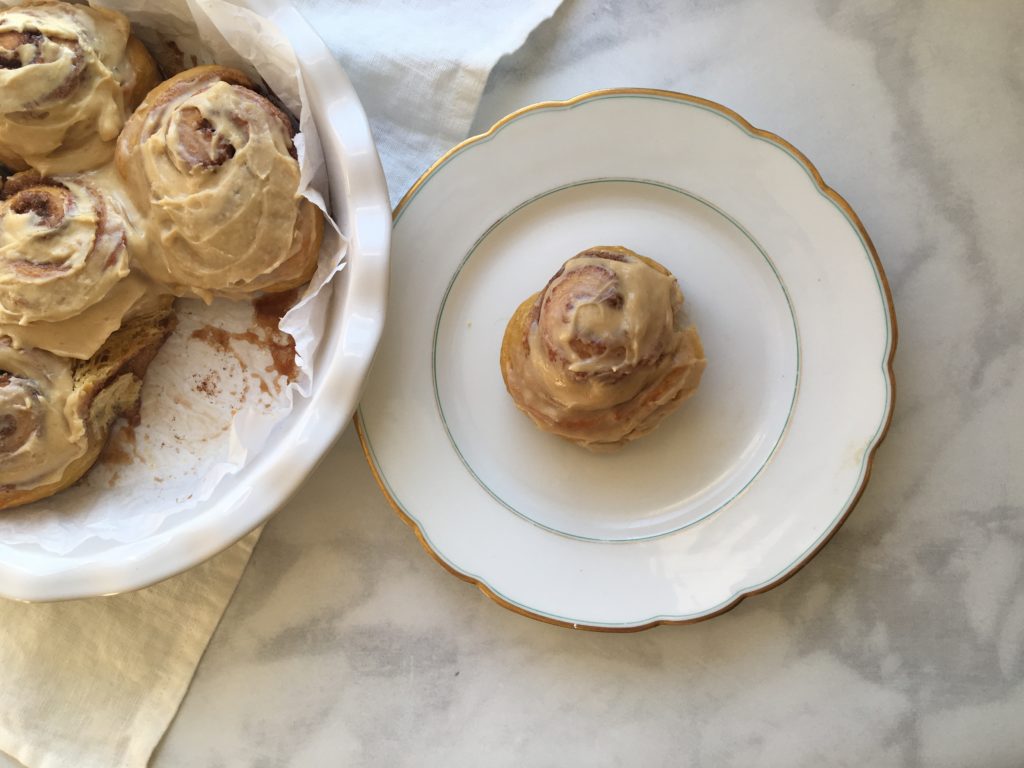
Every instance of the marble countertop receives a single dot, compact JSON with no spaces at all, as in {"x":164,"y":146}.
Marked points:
{"x":901,"y":643}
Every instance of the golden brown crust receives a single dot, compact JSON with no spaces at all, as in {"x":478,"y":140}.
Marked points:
{"x":127,"y":352}
{"x":609,"y":377}
{"x":145,"y":73}
{"x":299,"y":269}
{"x":513,"y":343}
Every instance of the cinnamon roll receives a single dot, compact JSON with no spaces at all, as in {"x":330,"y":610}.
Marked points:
{"x":64,"y":264}
{"x":56,"y":414}
{"x":69,"y":77}
{"x":604,"y":352}
{"x":211,"y":164}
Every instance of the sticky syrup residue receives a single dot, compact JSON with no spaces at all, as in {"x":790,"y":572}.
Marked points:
{"x":120,"y":448}
{"x":269,"y":311}
{"x":115,"y":454}
{"x":267,"y":335}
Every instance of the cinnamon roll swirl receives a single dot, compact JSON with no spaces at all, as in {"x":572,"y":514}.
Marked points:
{"x":69,"y":77}
{"x":212,"y":165}
{"x":64,"y":264}
{"x":603,"y":353}
{"x":40,"y":433}
{"x":56,"y":414}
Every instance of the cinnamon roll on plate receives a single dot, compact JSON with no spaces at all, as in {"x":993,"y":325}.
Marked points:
{"x":69,"y":77}
{"x":604,"y":352}
{"x":212,"y":167}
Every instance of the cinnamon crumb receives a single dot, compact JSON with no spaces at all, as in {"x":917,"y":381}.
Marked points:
{"x":208,"y":384}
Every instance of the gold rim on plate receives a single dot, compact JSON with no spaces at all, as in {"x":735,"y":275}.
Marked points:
{"x":830,"y":193}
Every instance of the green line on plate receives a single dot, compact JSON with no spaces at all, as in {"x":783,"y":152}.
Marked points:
{"x":527,"y":203}
{"x":871,"y":443}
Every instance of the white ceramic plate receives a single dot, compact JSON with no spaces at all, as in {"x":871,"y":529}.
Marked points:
{"x":361,"y":206}
{"x":731,"y":494}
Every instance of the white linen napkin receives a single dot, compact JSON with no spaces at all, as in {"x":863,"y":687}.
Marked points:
{"x":420,"y":67}
{"x":95,"y":683}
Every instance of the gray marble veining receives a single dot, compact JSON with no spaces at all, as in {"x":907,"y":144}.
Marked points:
{"x":901,"y":644}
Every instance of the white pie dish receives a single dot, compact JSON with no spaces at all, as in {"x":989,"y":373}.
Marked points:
{"x":359,"y":203}
{"x":729,"y":496}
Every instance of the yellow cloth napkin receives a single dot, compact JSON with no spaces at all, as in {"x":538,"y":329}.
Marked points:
{"x":95,"y":683}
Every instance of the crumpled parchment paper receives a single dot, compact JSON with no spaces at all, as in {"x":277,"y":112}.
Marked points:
{"x":213,"y":395}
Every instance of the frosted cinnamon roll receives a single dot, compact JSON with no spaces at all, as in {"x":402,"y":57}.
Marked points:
{"x":211,"y":163}
{"x":603,"y":353}
{"x":69,"y":77}
{"x":64,"y":264}
{"x":56,"y":414}
{"x":40,"y":433}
